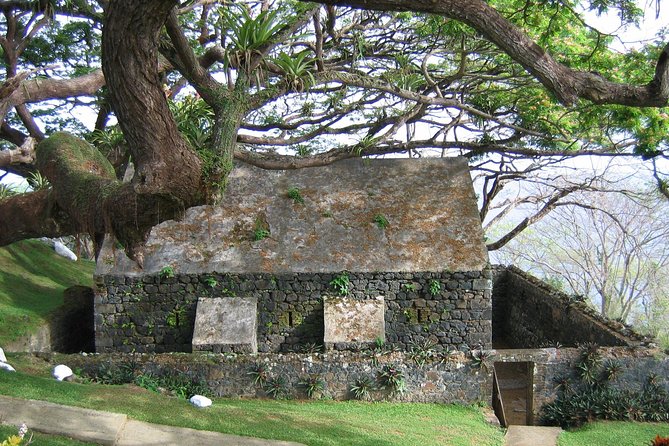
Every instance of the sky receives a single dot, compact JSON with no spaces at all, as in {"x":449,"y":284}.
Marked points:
{"x":631,"y":37}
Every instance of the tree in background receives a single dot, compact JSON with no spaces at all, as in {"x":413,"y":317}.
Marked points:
{"x":184,"y":88}
{"x":615,"y":254}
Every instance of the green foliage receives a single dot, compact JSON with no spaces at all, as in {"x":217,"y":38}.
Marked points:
{"x":422,"y":351}
{"x":341,"y":284}
{"x":7,"y":191}
{"x":411,"y":287}
{"x":295,"y":195}
{"x":311,"y":347}
{"x":38,"y":181}
{"x":392,"y":377}
{"x":194,"y":120}
{"x":175,"y":317}
{"x":479,"y":357}
{"x":277,"y":387}
{"x":381,"y":221}
{"x":115,"y":374}
{"x":313,"y":384}
{"x":248,"y":34}
{"x":260,"y":230}
{"x":613,"y":433}
{"x":591,"y":397}
{"x":297,"y":71}
{"x":435,"y":287}
{"x":260,"y":374}
{"x":211,"y":282}
{"x":167,"y":272}
{"x":362,"y":388}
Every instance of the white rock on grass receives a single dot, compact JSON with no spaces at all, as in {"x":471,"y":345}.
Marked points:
{"x":200,"y":401}
{"x":61,"y":372}
{"x":5,"y":366}
{"x":3,"y":358}
{"x":64,"y":251}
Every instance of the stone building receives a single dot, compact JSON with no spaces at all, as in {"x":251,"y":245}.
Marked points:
{"x":357,"y":252}
{"x":354,"y":255}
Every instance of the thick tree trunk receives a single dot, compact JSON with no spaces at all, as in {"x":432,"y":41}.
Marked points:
{"x":32,"y":215}
{"x":164,"y":163}
{"x":168,"y":176}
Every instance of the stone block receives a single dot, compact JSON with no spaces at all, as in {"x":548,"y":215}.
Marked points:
{"x":226,"y":322}
{"x":349,"y":320}
{"x":482,"y":284}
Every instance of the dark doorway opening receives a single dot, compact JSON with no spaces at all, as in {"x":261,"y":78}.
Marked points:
{"x":513,"y":396}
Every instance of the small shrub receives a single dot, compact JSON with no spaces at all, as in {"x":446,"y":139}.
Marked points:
{"x":392,"y":377}
{"x":381,"y":221}
{"x":148,"y":381}
{"x":435,"y":287}
{"x":312,"y":347}
{"x":362,"y":388}
{"x":211,"y":282}
{"x":183,"y":386}
{"x":18,"y":439}
{"x":277,"y":388}
{"x":295,"y":195}
{"x":261,"y":230}
{"x":421,"y":352}
{"x":175,"y":317}
{"x":260,"y":374}
{"x":341,"y":284}
{"x":409,"y":287}
{"x":314,"y":385}
{"x":166,"y":272}
{"x":112,"y":374}
{"x":480,"y":356}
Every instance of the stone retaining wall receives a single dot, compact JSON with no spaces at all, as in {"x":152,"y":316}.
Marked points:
{"x":452,"y":378}
{"x":154,"y":313}
{"x":528,"y":313}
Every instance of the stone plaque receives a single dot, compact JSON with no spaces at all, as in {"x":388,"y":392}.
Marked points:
{"x":350,"y":321}
{"x":226,"y":324}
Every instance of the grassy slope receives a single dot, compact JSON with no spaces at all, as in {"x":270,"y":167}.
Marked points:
{"x":32,"y":280}
{"x":318,"y":423}
{"x":618,"y":433}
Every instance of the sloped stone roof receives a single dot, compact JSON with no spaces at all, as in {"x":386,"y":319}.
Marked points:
{"x":430,"y":206}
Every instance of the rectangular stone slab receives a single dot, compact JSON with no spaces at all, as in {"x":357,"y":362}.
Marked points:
{"x":350,"y":320}
{"x":225,"y":324}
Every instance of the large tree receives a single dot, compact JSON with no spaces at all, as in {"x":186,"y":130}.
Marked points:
{"x":283,"y":84}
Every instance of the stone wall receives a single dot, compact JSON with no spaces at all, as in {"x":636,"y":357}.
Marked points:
{"x":450,"y":378}
{"x":156,"y":314}
{"x":551,"y":365}
{"x":528,"y":313}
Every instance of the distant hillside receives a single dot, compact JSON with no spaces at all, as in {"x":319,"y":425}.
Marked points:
{"x":32,"y":280}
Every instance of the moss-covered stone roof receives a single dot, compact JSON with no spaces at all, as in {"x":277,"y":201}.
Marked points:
{"x":354,"y":215}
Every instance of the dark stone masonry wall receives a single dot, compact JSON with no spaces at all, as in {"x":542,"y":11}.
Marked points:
{"x":156,"y":314}
{"x":528,"y":313}
{"x":451,"y":378}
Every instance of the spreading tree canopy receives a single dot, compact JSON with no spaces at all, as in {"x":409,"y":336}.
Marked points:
{"x":182,"y":89}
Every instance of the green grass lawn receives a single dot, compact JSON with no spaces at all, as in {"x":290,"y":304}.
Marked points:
{"x":39,"y":439}
{"x":310,"y":422}
{"x":618,"y":433}
{"x":32,"y":280}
